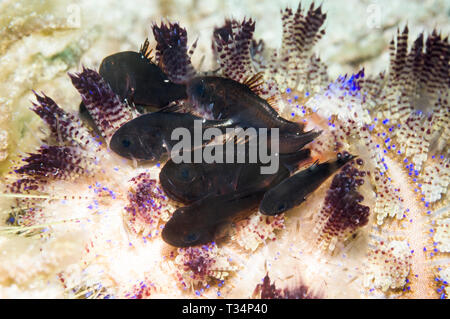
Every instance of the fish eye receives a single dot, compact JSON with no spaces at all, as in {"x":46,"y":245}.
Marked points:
{"x":186,"y":174}
{"x":126,"y":143}
{"x":200,"y":89}
{"x":191,"y":237}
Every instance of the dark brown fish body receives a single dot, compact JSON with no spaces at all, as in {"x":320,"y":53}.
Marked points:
{"x":223,"y":98}
{"x":137,"y":80}
{"x":290,"y":143}
{"x":189,"y":182}
{"x":293,"y":191}
{"x":201,"y":222}
{"x":149,"y":136}
{"x":133,"y":77}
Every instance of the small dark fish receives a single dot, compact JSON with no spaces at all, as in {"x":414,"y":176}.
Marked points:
{"x":189,"y":182}
{"x":148,"y":137}
{"x":292,"y":191}
{"x":134,"y":77}
{"x":202,"y":221}
{"x":292,"y":142}
{"x":223,"y":98}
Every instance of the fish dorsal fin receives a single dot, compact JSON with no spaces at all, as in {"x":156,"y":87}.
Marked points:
{"x":146,"y":51}
{"x":273,"y":102}
{"x":254,"y":82}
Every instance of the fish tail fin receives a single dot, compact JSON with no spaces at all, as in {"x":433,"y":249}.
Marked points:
{"x":290,"y":143}
{"x":311,"y":135}
{"x":292,"y":160}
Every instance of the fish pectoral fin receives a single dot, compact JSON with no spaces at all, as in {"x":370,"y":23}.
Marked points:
{"x":222,"y":124}
{"x":237,"y":178}
{"x":314,"y":165}
{"x":174,"y":107}
{"x":236,"y":137}
{"x":242,"y":140}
